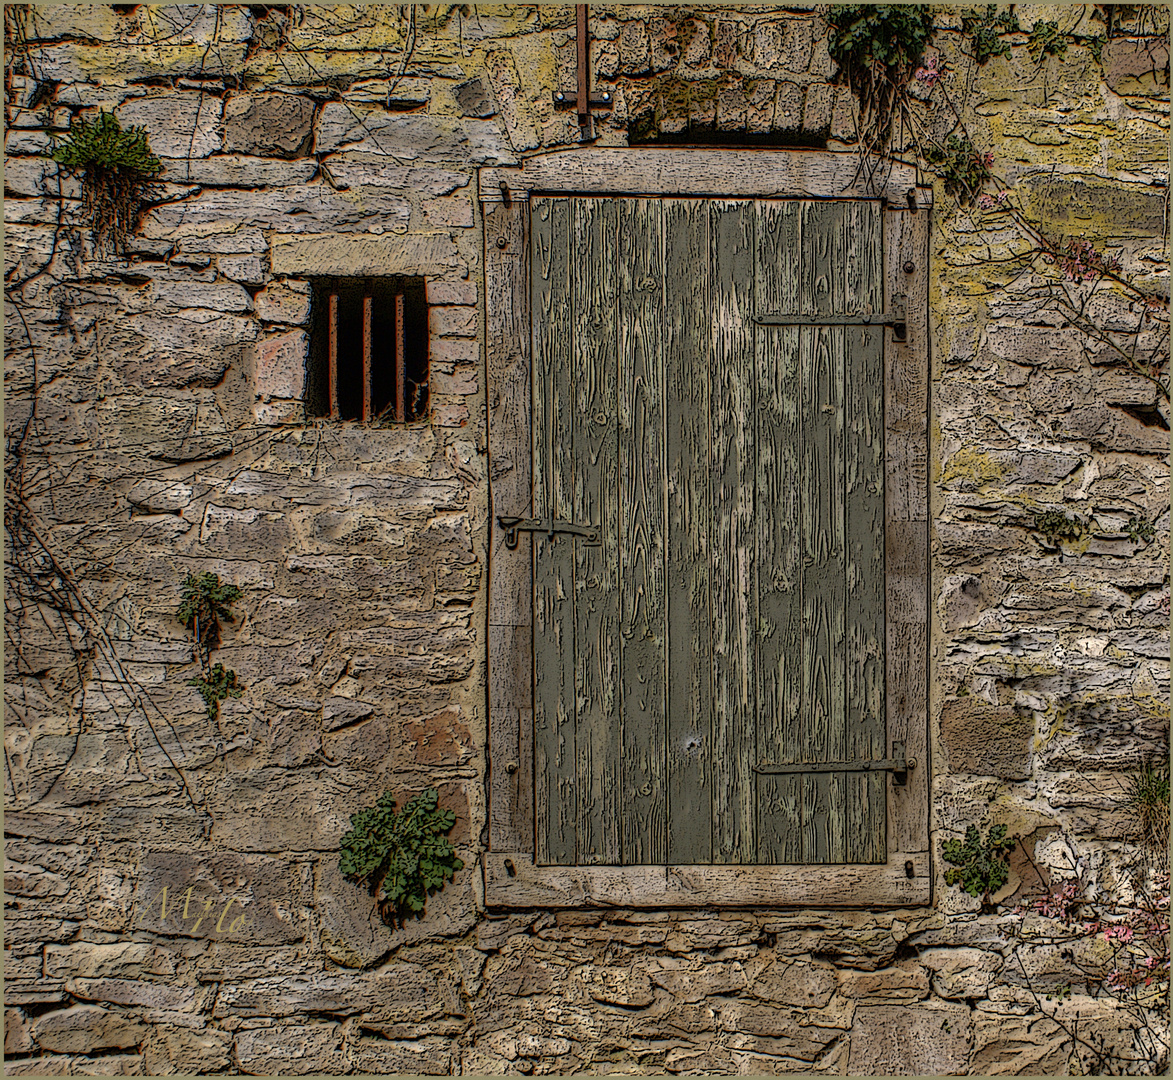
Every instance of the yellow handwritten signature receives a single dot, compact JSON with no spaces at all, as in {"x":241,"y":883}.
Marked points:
{"x":198,"y":915}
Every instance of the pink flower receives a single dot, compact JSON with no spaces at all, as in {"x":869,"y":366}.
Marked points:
{"x":930,"y":72}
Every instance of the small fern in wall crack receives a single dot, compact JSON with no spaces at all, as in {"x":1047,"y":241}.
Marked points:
{"x":116,"y":167}
{"x":204,"y":603}
{"x":400,"y":857}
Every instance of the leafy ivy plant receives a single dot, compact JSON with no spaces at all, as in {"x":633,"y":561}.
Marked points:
{"x":981,"y":865}
{"x":403,"y":857}
{"x":204,"y":602}
{"x":116,"y":167}
{"x":877,"y":48}
{"x":214,"y":687}
{"x":961,"y":165}
{"x":1055,"y":525}
{"x":986,"y":28}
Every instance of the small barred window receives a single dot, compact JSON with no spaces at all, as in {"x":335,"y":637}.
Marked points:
{"x":369,"y":350}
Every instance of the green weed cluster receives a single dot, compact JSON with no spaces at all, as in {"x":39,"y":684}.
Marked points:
{"x":981,"y":866}
{"x":1146,"y":794}
{"x":985,"y":29}
{"x":116,"y":168}
{"x":877,"y":48}
{"x":1140,"y":529}
{"x":402,"y":856}
{"x":961,"y":165}
{"x":204,"y":601}
{"x":1055,"y":525}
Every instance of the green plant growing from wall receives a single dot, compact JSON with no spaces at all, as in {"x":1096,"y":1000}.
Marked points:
{"x":1146,"y":794}
{"x":877,"y":48}
{"x":1046,"y":39}
{"x":204,"y":603}
{"x":981,"y":866}
{"x":402,"y":858}
{"x":116,"y":167}
{"x":985,"y":29}
{"x":1055,"y":526}
{"x":1141,"y":530}
{"x":961,"y":165}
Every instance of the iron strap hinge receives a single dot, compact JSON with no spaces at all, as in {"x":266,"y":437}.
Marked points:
{"x":897,"y":764}
{"x":896,"y":318}
{"x":549,"y":526}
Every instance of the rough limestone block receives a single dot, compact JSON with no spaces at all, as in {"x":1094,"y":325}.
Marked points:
{"x":121,"y":959}
{"x":906,"y":982}
{"x":629,"y":986}
{"x":170,"y":1050}
{"x":452,"y":292}
{"x":475,"y":99}
{"x":788,"y":107}
{"x":401,"y":989}
{"x":179,"y":125}
{"x":766,"y":44}
{"x":634,"y":48}
{"x":83,"y":1028}
{"x":238,"y":170}
{"x":425,"y":1057}
{"x":987,"y":740}
{"x":260,"y":887}
{"x":152,"y":995}
{"x":731,"y":108}
{"x":1137,"y":66}
{"x":961,"y":973}
{"x":246,"y":269}
{"x":816,"y":113}
{"x":298,"y":208}
{"x":280,"y":365}
{"x":212,"y":296}
{"x":291,"y":1050}
{"x":452,"y":321}
{"x":689,"y":980}
{"x":362,"y":256}
{"x":272,"y":125}
{"x":17,"y":1032}
{"x":284,"y":302}
{"x":795,"y":983}
{"x":927,"y":1038}
{"x":455,"y":212}
{"x":52,"y":1065}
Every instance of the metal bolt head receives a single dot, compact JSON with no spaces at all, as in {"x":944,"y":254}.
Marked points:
{"x":909,"y":267}
{"x":501,"y":241}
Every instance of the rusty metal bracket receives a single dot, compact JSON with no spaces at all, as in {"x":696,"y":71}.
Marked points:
{"x":898,"y":764}
{"x":549,"y":526}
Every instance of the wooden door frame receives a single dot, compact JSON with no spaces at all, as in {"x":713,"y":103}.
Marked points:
{"x":511,"y":879}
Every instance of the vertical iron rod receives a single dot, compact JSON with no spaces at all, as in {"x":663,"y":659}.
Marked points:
{"x":332,"y":388}
{"x":366,"y":359}
{"x":584,"y":103}
{"x":400,"y":362}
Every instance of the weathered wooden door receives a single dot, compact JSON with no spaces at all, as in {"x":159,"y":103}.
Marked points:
{"x":729,"y":610}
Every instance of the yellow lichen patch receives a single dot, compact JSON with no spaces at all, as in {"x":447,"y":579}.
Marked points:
{"x":975,"y":465}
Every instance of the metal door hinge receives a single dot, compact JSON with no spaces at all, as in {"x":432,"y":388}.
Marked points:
{"x":896,"y":318}
{"x":549,"y":526}
{"x":897,"y":764}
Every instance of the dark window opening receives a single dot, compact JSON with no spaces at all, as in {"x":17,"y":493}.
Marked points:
{"x":368,"y":349}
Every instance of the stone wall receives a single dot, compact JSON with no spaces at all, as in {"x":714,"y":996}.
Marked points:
{"x":154,"y":424}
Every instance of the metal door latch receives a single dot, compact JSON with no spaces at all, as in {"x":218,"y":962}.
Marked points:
{"x":896,"y":318}
{"x":898,"y":764}
{"x":549,"y":526}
